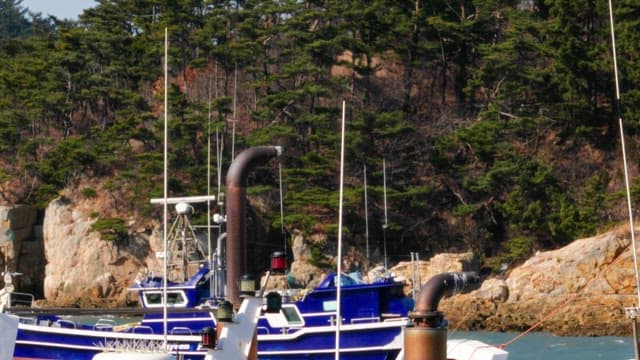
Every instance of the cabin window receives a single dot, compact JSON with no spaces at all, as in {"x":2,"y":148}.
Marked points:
{"x":292,"y":316}
{"x":174,"y":298}
{"x":289,"y":316}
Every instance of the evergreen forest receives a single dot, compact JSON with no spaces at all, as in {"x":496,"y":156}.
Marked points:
{"x":497,"y":120}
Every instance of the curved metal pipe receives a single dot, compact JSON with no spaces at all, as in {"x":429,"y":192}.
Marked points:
{"x":426,"y":311}
{"x":236,"y":242}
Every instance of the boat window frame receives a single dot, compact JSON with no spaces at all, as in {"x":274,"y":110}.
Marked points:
{"x":181,"y":295}
{"x":289,"y":318}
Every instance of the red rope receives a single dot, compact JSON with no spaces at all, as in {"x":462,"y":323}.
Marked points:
{"x":554,"y":311}
{"x":537,"y":324}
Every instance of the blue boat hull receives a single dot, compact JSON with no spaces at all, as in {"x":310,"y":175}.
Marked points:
{"x":356,"y":342}
{"x":365,"y":341}
{"x":42,"y":342}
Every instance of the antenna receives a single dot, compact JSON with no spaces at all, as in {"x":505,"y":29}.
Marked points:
{"x":338,"y":280}
{"x":235,"y":95}
{"x":209,"y":247}
{"x":386,"y":224}
{"x":284,"y":237}
{"x":366,"y":216}
{"x":165,"y":187}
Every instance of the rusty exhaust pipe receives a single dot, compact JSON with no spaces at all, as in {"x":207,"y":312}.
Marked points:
{"x":236,"y":244}
{"x":427,"y":338}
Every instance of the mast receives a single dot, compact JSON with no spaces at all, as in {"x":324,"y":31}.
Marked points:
{"x":210,"y":263}
{"x":630,"y":312}
{"x":366,"y":217}
{"x":235,"y":119}
{"x":624,"y":152}
{"x":165,"y":191}
{"x":386,"y":224}
{"x":338,"y":279}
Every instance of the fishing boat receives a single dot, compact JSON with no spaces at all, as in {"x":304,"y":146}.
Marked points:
{"x":291,"y":325}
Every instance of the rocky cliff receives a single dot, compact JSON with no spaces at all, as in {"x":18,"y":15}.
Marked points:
{"x":83,"y":269}
{"x":580,"y":289}
{"x":21,"y":246}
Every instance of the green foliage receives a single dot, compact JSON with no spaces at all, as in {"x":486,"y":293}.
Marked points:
{"x":89,"y":193}
{"x":110,"y":229}
{"x":464,"y":210}
{"x":473,"y":104}
{"x":519,"y":248}
{"x":318,"y":256}
{"x":66,"y":160}
{"x":13,"y":22}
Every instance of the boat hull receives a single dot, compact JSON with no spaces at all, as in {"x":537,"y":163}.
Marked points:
{"x":384,"y":342}
{"x":42,"y":342}
{"x":366,"y":341}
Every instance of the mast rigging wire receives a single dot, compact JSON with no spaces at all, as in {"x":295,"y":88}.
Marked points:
{"x":624,"y":152}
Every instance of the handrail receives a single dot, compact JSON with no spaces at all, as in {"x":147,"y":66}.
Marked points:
{"x":104,"y":324}
{"x":369,"y":319}
{"x":181,"y":330}
{"x":141,"y":327}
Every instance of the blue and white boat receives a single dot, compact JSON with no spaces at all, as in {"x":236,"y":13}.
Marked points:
{"x":300,"y":329}
{"x":373,"y":318}
{"x":303,"y":325}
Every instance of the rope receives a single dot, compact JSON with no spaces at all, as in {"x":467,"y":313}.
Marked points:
{"x":571,"y":297}
{"x":537,"y":324}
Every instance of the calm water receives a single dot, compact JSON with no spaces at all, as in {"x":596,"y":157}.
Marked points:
{"x":550,"y":347}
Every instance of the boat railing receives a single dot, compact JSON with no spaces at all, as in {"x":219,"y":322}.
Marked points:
{"x":332,"y":320}
{"x":141,"y":329}
{"x":365,"y":320}
{"x":262,"y":330}
{"x":289,"y":330}
{"x":104,"y":325}
{"x":181,"y":330}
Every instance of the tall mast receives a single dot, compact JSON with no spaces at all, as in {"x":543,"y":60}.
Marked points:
{"x":165,"y":187}
{"x":338,"y":279}
{"x":634,"y":312}
{"x":386,"y":223}
{"x":624,"y":152}
{"x":366,"y":217}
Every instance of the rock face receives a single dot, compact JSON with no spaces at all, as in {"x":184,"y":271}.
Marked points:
{"x":21,"y":246}
{"x":302,"y":273}
{"x":81,"y":268}
{"x":580,"y":289}
{"x":425,"y":269}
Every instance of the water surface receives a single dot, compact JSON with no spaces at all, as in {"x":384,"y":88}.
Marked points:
{"x":545,"y":346}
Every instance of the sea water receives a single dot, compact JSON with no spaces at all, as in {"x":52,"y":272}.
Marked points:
{"x":537,"y":345}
